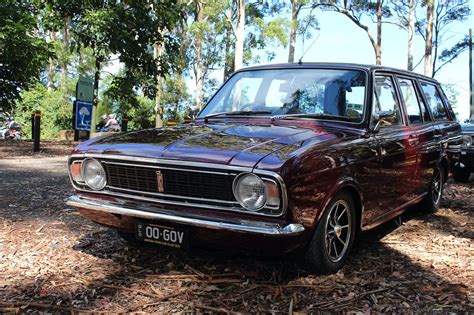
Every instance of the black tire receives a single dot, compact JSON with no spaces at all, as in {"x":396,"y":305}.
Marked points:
{"x":435,"y":191}
{"x":332,"y":241}
{"x":461,"y":175}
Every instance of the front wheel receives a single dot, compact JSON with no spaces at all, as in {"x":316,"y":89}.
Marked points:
{"x":334,"y":236}
{"x":435,"y":191}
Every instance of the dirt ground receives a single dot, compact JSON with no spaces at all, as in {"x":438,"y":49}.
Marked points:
{"x":52,"y":260}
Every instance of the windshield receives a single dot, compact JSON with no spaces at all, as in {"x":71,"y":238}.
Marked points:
{"x":328,"y":92}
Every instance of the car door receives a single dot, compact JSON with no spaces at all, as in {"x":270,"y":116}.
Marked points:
{"x":420,"y":121}
{"x":447,"y":127}
{"x":397,"y":154}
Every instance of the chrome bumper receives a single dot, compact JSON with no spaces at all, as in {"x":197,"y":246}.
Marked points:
{"x":146,"y":212}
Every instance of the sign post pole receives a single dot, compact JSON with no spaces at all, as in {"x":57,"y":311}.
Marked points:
{"x":37,"y":131}
{"x":84,"y":94}
{"x":471,"y":87}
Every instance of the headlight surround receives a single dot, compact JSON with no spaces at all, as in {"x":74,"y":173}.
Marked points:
{"x":466,"y":140}
{"x":93,"y":174}
{"x":250,"y":191}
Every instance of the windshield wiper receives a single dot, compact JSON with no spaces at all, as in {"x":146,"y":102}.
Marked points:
{"x":323,"y":116}
{"x":237,"y":113}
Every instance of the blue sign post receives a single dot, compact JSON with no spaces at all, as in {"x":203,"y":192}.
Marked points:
{"x":83,"y":116}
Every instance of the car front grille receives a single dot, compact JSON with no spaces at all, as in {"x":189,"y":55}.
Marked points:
{"x":177,"y":183}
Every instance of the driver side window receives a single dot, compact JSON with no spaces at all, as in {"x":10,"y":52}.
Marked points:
{"x":385,"y":100}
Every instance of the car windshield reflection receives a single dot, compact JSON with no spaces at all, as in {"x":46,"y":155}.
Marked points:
{"x":309,"y":93}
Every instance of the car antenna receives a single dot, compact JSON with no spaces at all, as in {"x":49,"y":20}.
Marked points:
{"x":300,"y":61}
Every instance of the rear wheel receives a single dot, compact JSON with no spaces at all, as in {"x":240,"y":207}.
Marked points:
{"x":334,"y":236}
{"x":435,"y":191}
{"x":461,"y":174}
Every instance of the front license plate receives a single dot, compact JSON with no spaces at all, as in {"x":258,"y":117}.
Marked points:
{"x":161,"y":234}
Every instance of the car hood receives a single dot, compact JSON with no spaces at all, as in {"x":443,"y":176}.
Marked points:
{"x":236,"y":145}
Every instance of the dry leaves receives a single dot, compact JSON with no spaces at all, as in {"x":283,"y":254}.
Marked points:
{"x":52,"y":260}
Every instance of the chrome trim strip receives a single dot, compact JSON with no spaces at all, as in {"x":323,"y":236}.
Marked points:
{"x":231,"y":203}
{"x":273,"y":175}
{"x":159,"y":161}
{"x":243,"y":226}
{"x":170,"y":168}
{"x":172,"y":196}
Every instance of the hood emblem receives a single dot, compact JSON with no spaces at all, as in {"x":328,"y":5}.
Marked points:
{"x":160,"y":182}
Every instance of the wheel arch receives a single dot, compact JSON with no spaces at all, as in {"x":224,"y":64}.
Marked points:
{"x":347,"y":185}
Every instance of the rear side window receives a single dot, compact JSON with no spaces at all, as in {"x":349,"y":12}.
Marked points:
{"x":385,"y":100}
{"x":434,"y":101}
{"x":410,"y":99}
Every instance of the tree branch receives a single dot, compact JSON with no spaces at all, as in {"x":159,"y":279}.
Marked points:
{"x":445,"y":63}
{"x":419,"y":62}
{"x":355,"y":20}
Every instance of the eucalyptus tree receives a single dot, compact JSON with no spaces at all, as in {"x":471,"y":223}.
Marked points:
{"x":300,"y":28}
{"x":404,"y":16}
{"x":435,"y":28}
{"x":355,"y":10}
{"x":429,"y":38}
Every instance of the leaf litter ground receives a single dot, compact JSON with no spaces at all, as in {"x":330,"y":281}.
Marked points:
{"x":52,"y":260}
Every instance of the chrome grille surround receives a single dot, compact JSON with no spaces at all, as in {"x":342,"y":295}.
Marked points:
{"x":164,"y":165}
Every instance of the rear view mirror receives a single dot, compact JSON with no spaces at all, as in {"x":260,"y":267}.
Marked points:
{"x":383,"y":118}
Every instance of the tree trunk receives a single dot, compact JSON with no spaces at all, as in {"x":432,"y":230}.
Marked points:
{"x":239,"y":36}
{"x":411,"y":35}
{"x":198,"y":97}
{"x":183,"y":48}
{"x":95,"y":99}
{"x":436,"y":31}
{"x":95,"y":94}
{"x":50,"y":84}
{"x":227,"y":58}
{"x":295,"y":7}
{"x":378,"y":46}
{"x":51,"y":66}
{"x":158,"y":52}
{"x":429,"y":38}
{"x":64,"y":62}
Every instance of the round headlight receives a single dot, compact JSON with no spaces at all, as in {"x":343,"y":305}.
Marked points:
{"x":467,"y":141}
{"x":93,"y":174}
{"x":250,"y":191}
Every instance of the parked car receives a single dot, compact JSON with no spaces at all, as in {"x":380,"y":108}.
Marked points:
{"x":283,"y":157}
{"x":465,"y":166}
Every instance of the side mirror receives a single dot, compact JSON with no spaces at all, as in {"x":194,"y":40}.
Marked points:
{"x":382,"y":117}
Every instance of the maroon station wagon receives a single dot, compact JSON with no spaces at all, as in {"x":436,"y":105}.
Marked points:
{"x":283,"y":157}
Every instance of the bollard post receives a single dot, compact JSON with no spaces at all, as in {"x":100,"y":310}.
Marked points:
{"x":124,"y":124}
{"x":32,"y":126}
{"x":37,"y":131}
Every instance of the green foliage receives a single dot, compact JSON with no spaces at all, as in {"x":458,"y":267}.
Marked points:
{"x":22,"y":54}
{"x":273,"y":32}
{"x":141,"y":116}
{"x":175,"y":98}
{"x":56,"y":110}
{"x":449,"y":54}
